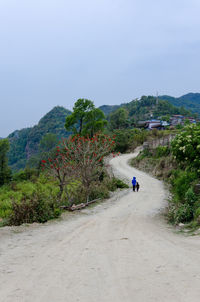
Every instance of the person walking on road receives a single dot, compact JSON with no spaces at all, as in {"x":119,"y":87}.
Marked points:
{"x":134,"y":183}
{"x":137,"y":186}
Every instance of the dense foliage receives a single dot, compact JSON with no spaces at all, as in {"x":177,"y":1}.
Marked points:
{"x":186,"y":147}
{"x":85,"y":119}
{"x":79,"y":159}
{"x":147,"y":107}
{"x":190,"y":101}
{"x":25,"y":143}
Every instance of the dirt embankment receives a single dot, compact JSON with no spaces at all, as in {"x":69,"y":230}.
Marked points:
{"x":120,"y":250}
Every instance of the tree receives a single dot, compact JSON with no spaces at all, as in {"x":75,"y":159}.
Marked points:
{"x":5,"y":172}
{"x":95,"y":122}
{"x":85,"y":118}
{"x":79,"y":159}
{"x":76,"y":120}
{"x":119,"y":119}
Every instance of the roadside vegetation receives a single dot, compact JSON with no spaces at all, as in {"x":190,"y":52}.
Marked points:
{"x":70,"y":174}
{"x":179,"y":165}
{"x":65,"y":160}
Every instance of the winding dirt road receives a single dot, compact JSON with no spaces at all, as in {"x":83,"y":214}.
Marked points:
{"x":118,"y":251}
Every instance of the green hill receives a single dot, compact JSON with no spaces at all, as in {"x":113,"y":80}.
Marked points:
{"x":190,"y":101}
{"x":25,"y":143}
{"x":149,"y":107}
{"x":107,"y":109}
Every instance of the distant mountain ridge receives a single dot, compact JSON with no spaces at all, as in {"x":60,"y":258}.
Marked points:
{"x":190,"y":101}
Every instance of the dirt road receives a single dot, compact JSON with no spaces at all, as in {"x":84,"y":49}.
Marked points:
{"x":118,"y":251}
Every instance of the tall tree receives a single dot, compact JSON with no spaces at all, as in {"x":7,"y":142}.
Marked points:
{"x":5,"y":172}
{"x":95,"y":122}
{"x":79,"y":159}
{"x":76,"y":120}
{"x":85,"y":118}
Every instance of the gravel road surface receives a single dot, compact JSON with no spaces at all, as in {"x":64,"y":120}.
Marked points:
{"x":118,"y":251}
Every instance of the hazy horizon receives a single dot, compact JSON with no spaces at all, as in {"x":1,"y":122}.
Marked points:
{"x":55,"y":52}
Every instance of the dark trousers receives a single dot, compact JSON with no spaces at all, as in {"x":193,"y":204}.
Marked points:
{"x":134,"y":188}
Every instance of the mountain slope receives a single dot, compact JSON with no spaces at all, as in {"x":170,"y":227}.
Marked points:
{"x":24,"y":143}
{"x":107,"y":109}
{"x":190,"y":101}
{"x":149,"y":107}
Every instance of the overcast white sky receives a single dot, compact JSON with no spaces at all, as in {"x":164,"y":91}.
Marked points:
{"x":53,"y":52}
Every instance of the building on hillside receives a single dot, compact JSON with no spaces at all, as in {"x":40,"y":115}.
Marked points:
{"x":153,"y":124}
{"x":161,"y":125}
{"x":180,"y":120}
{"x":192,"y":120}
{"x":176,"y":119}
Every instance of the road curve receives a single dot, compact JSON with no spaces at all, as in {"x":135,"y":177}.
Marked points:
{"x":118,"y":251}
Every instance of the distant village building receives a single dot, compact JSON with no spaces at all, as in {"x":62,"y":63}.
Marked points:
{"x":153,"y":124}
{"x":180,"y":120}
{"x":176,"y":119}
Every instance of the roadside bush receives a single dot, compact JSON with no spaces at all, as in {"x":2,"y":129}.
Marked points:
{"x":186,"y":147}
{"x":180,"y":213}
{"x":118,"y":183}
{"x":181,"y":182}
{"x":190,"y":197}
{"x":184,"y":213}
{"x":99,"y":191}
{"x":33,"y":208}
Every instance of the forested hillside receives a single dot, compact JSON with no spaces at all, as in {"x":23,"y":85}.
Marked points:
{"x":107,"y":109}
{"x":148,"y":107}
{"x":25,"y":143}
{"x":190,"y":101}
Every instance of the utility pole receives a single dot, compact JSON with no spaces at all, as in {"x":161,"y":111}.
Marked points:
{"x":157,"y":98}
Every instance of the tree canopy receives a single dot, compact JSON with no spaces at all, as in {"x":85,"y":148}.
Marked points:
{"x":119,"y":119}
{"x":85,"y":118}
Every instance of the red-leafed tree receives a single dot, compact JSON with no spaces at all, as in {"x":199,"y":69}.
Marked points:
{"x":80,"y":158}
{"x":62,"y":169}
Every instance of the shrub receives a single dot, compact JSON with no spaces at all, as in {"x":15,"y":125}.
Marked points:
{"x":180,"y":213}
{"x":118,"y":183}
{"x":162,"y":151}
{"x":190,"y":197}
{"x":181,"y":182}
{"x":186,"y":147}
{"x":99,"y":191}
{"x":35,"y":208}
